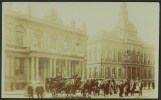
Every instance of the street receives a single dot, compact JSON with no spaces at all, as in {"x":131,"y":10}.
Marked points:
{"x":147,"y":93}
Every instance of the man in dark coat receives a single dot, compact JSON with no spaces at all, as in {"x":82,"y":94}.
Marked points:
{"x":140,"y":88}
{"x":153,"y":84}
{"x":39,"y":91}
{"x":121,"y":88}
{"x":133,"y":88}
{"x":30,"y":91}
{"x":12,"y":85}
{"x":149,"y":83}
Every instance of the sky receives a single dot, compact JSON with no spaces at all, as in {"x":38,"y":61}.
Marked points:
{"x":101,"y":16}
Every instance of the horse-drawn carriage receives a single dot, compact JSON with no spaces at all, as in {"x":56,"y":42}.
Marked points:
{"x":64,"y":86}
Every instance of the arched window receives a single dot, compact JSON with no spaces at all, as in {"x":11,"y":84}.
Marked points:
{"x":52,"y":41}
{"x":90,"y":74}
{"x":113,"y":72}
{"x":37,"y":39}
{"x":78,"y":46}
{"x":96,"y":72}
{"x":19,"y":35}
{"x":107,"y":72}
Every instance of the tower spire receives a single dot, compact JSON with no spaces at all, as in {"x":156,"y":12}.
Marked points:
{"x":29,"y":9}
{"x":123,"y":12}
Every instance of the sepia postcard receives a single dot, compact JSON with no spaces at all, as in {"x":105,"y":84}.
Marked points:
{"x":80,"y":50}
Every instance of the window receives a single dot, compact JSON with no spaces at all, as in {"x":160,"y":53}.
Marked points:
{"x":96,"y":72}
{"x":90,"y":75}
{"x":149,"y":73}
{"x":119,"y":56}
{"x":19,"y":36}
{"x":113,"y":72}
{"x":53,"y":42}
{"x":37,"y":39}
{"x":107,"y":72}
{"x":145,"y":74}
{"x":19,"y":66}
{"x":119,"y":74}
{"x":77,"y":47}
{"x":66,"y":45}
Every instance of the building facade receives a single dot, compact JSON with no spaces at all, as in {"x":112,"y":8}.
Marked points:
{"x":35,"y":49}
{"x":120,"y":53}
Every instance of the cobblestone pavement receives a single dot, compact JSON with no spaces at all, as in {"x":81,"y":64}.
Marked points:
{"x":146,"y":94}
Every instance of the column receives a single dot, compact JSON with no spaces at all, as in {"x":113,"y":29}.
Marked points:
{"x":131,"y":72}
{"x":136,"y":72}
{"x":27,"y":69}
{"x":54,"y":67}
{"x":37,"y":69}
{"x":69,"y":68}
{"x":117,"y":72}
{"x":12,"y":67}
{"x":66,"y":68}
{"x":83,"y":74}
{"x":44,"y":69}
{"x":98,"y":71}
{"x":79,"y":69}
{"x":32,"y":69}
{"x":50,"y":67}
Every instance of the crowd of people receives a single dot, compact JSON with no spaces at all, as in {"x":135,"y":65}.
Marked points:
{"x":95,"y":87}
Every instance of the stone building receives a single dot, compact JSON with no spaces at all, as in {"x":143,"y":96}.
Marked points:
{"x":120,"y":53}
{"x":35,"y":49}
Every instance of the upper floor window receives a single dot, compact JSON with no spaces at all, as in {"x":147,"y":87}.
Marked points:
{"x":19,"y":35}
{"x":107,"y":72}
{"x":53,"y":42}
{"x":66,"y":45}
{"x":119,"y":72}
{"x":113,"y":72}
{"x":37,"y":39}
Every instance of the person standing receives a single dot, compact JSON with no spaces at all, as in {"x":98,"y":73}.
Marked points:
{"x":149,"y":83}
{"x":39,"y":91}
{"x":121,"y":88}
{"x":153,"y":84}
{"x":12,"y":85}
{"x":140,"y":88}
{"x":30,"y":91}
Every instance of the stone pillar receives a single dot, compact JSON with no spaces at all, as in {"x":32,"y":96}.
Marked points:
{"x":27,"y":69}
{"x":12,"y":68}
{"x":131,"y":72}
{"x":136,"y":72}
{"x":44,"y":69}
{"x":117,"y":72}
{"x":50,"y":68}
{"x":70,"y":69}
{"x":66,"y":68}
{"x":37,"y":69}
{"x":54,"y":67}
{"x":83,"y":73}
{"x":32,"y":69}
{"x":79,"y":68}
